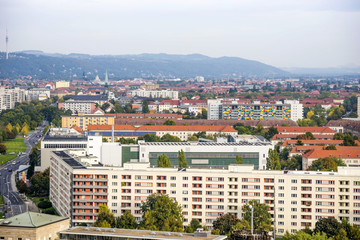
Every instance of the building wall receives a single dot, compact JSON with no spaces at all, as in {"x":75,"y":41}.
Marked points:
{"x":62,"y":84}
{"x":82,"y":120}
{"x":8,"y":97}
{"x":45,"y":232}
{"x":78,"y":107}
{"x":174,"y":95}
{"x":296,"y":198}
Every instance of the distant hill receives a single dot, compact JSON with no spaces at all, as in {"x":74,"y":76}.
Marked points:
{"x":42,"y":65}
{"x":338,"y":71}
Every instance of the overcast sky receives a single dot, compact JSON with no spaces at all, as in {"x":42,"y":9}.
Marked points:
{"x":282,"y":33}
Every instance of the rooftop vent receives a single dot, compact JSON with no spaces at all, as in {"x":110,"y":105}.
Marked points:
{"x":112,"y":230}
{"x":153,"y":233}
{"x":98,"y":229}
{"x":86,"y":229}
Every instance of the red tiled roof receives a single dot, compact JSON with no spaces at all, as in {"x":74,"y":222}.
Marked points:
{"x":293,"y":136}
{"x":170,"y":102}
{"x":313,"y":142}
{"x":305,"y":129}
{"x":297,"y":149}
{"x":333,"y":153}
{"x":109,"y":127}
{"x":77,"y":128}
{"x":187,"y":128}
{"x":164,"y":128}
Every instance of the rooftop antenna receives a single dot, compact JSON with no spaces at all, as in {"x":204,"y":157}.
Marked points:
{"x":7,"y":43}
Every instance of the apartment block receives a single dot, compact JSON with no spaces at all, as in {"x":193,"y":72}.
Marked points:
{"x":296,"y":198}
{"x":82,"y":120}
{"x":8,"y":97}
{"x":62,"y":84}
{"x":155,"y":93}
{"x":38,"y":94}
{"x":236,"y":110}
{"x":78,"y":106}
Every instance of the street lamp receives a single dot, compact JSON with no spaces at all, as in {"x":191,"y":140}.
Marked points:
{"x":252,"y":219}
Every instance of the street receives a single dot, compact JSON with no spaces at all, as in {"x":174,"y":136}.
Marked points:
{"x":13,"y":202}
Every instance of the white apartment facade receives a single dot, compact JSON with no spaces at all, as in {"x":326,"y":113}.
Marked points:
{"x":296,"y":198}
{"x":78,"y":106}
{"x":8,"y":97}
{"x":174,"y":95}
{"x":38,"y":94}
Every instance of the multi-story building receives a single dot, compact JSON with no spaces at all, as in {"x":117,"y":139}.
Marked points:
{"x":155,"y":93}
{"x":82,"y":120}
{"x":351,"y":157}
{"x":62,"y":84}
{"x":234,"y":110}
{"x":8,"y":97}
{"x":77,"y":106}
{"x":296,"y":198}
{"x":38,"y":94}
{"x":182,"y":132}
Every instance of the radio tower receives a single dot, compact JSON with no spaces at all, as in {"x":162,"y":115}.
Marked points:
{"x":7,"y":41}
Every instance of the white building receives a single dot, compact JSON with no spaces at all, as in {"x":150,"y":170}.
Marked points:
{"x":174,"y":95}
{"x":78,"y":106}
{"x":296,"y":198}
{"x":38,"y":93}
{"x":8,"y":97}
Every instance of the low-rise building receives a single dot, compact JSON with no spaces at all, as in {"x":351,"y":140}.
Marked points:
{"x":350,"y":157}
{"x":182,"y":132}
{"x":38,"y":94}
{"x":62,"y":84}
{"x":303,"y":130}
{"x":116,"y":234}
{"x":33,"y":226}
{"x":82,"y":120}
{"x":155,"y":93}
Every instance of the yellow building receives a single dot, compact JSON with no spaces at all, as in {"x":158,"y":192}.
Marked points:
{"x":33,"y":226}
{"x":83,"y":120}
{"x":62,"y":84}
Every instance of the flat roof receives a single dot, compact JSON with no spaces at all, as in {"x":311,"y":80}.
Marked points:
{"x":31,"y":220}
{"x":137,"y":234}
{"x":69,"y":160}
{"x":241,"y":143}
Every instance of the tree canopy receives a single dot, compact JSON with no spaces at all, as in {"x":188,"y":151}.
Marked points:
{"x":262,"y":217}
{"x":161,"y":213}
{"x":163,"y":161}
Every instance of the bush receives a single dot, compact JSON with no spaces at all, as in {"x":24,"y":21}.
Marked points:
{"x":44,"y":204}
{"x":50,"y":211}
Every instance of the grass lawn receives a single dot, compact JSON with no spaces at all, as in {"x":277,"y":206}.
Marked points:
{"x":13,"y":145}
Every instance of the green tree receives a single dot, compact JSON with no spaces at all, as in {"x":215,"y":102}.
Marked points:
{"x":126,"y":221}
{"x":118,"y":108}
{"x":330,"y":226}
{"x":293,"y":163}
{"x":273,"y":161}
{"x":105,"y":106}
{"x":262,"y":217}
{"x":163,"y":161}
{"x":105,"y":217}
{"x":299,"y":143}
{"x":306,"y":136}
{"x":241,"y":225}
{"x":3,"y":148}
{"x":330,"y":147}
{"x":169,"y":122}
{"x":182,"y":159}
{"x":46,"y":128}
{"x":239,"y":159}
{"x":272,"y":131}
{"x":284,"y":154}
{"x":193,"y":138}
{"x":170,"y":138}
{"x":21,"y":186}
{"x":145,"y":106}
{"x":300,"y":235}
{"x":327,"y":164}
{"x":161,"y":213}
{"x":151,"y":138}
{"x":9,"y":127}
{"x":341,"y":235}
{"x":194,"y":224}
{"x":225,"y":223}
{"x":40,"y":183}
{"x":352,"y":231}
{"x":203,"y":113}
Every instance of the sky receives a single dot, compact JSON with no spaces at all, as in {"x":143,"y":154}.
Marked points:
{"x":282,"y":33}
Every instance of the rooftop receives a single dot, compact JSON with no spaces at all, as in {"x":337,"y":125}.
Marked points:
{"x":139,"y":234}
{"x":31,"y":220}
{"x":72,"y":162}
{"x":313,"y":130}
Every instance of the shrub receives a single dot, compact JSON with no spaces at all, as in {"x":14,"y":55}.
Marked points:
{"x":44,"y":204}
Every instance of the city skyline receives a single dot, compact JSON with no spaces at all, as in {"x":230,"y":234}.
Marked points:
{"x":281,"y":33}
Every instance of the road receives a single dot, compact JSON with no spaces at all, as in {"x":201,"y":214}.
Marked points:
{"x":14,"y":204}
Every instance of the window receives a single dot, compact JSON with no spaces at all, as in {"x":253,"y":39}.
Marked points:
{"x":293,"y":181}
{"x":185,"y":178}
{"x":281,"y":180}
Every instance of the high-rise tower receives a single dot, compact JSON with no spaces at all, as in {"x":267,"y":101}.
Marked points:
{"x":106,"y":78}
{"x":7,"y":41}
